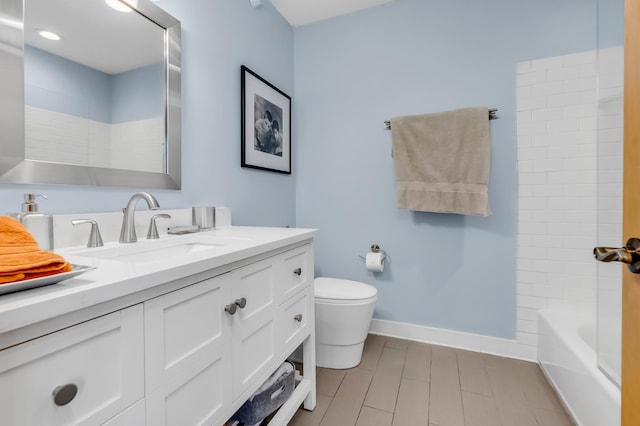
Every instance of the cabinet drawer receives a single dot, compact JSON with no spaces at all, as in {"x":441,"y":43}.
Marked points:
{"x":294,"y":319}
{"x":102,"y":359}
{"x":296,"y":272}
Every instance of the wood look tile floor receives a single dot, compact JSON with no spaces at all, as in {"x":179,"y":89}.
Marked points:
{"x":400,"y":382}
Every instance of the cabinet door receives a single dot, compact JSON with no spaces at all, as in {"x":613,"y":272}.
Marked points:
{"x":102,"y":360}
{"x":132,"y":416}
{"x":253,"y":326}
{"x":188,"y":363}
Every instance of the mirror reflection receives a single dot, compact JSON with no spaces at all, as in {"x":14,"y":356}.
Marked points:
{"x":95,"y":96}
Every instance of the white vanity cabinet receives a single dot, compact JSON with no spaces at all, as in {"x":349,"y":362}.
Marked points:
{"x":85,"y":374}
{"x":210,"y":345}
{"x":188,"y":350}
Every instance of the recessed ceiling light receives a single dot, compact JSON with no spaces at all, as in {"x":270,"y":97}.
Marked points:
{"x":119,"y":6}
{"x":48,"y":35}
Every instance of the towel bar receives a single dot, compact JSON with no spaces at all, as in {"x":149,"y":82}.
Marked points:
{"x":492,"y":116}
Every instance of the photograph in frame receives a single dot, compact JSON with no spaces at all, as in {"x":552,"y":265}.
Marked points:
{"x":266,"y":125}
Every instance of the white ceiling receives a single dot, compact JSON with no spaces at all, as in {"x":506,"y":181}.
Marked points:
{"x":94,"y":34}
{"x":88,"y":35}
{"x":301,"y":12}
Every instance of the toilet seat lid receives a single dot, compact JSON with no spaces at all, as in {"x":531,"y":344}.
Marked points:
{"x":339,"y":289}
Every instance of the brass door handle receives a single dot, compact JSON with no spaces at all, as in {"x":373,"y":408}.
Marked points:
{"x":629,"y":254}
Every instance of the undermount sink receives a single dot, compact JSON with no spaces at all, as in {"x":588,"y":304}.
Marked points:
{"x":151,"y":251}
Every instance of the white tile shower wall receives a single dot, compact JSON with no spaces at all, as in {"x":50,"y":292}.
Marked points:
{"x":558,"y":160}
{"x":138,"y":145}
{"x":609,"y":276}
{"x":53,"y":136}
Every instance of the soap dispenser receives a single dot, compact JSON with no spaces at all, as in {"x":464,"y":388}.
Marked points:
{"x":39,"y":224}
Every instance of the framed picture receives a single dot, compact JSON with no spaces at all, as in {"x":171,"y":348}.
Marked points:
{"x":266,"y":125}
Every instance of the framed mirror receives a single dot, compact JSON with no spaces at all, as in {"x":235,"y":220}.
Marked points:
{"x":90,"y":93}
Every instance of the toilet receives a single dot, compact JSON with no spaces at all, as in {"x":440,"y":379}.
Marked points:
{"x":343,"y":314}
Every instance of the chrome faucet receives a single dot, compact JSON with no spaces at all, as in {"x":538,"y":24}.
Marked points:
{"x":128,"y":230}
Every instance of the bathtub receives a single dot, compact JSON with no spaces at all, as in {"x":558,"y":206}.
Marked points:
{"x":567,"y":355}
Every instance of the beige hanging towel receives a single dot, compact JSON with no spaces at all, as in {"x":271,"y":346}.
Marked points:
{"x":442,"y":161}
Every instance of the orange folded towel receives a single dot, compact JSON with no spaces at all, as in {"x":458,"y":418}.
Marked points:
{"x":20,"y":256}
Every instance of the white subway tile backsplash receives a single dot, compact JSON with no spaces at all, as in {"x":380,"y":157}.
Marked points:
{"x":523,"y":91}
{"x":523,"y":67}
{"x":532,"y":128}
{"x":546,"y":114}
{"x":546,"y":88}
{"x":531,"y":302}
{"x":547,"y":140}
{"x":532,"y":253}
{"x":531,"y":103}
{"x":524,"y":116}
{"x":581,"y":58}
{"x":562,"y":126}
{"x":548,"y":216}
{"x":579,"y":138}
{"x":563,"y":73}
{"x":531,"y":78}
{"x":560,"y":100}
{"x":548,"y":165}
{"x":580,"y":111}
{"x":578,"y":84}
{"x":525,"y":289}
{"x":528,"y":326}
{"x":548,"y":190}
{"x":569,"y":155}
{"x":525,"y":338}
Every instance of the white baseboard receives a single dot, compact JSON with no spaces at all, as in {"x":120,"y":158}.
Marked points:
{"x":455,"y":339}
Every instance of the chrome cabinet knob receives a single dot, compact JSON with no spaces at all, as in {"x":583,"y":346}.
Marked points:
{"x":297,"y":271}
{"x":62,"y":395}
{"x":298,"y":317}
{"x":231,"y":309}
{"x":241,"y":303}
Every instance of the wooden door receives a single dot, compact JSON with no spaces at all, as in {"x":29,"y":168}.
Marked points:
{"x":631,"y":216}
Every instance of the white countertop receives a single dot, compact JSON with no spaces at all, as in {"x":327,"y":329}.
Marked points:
{"x":112,"y":279}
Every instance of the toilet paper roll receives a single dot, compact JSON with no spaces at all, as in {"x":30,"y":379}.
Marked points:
{"x":375,"y":262}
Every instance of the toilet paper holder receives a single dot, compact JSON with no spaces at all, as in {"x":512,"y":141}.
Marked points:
{"x":375,"y":248}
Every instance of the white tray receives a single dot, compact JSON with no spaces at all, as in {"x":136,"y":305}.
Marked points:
{"x":42,"y":281}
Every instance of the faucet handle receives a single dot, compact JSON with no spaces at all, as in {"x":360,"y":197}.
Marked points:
{"x":95,"y":239}
{"x":152,"y":233}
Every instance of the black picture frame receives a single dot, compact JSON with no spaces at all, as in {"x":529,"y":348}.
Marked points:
{"x":266,"y":124}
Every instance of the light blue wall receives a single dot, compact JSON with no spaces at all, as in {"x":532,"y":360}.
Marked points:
{"x":411,"y":57}
{"x":217,"y":37}
{"x":138,"y":94}
{"x":60,"y":85}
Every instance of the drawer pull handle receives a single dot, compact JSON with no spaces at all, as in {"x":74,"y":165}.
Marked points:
{"x":297,"y":271}
{"x":62,"y":395}
{"x":231,"y":309}
{"x":298,"y":317}
{"x":241,"y":303}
